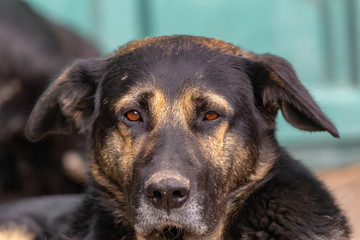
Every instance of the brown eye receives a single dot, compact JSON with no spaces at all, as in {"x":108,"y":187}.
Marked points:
{"x":133,"y":116}
{"x":211,"y":115}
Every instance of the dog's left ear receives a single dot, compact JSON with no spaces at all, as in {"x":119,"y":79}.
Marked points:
{"x":276,"y":86}
{"x":68,"y":103}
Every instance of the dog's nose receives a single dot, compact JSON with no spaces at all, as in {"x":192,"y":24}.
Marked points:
{"x":167,"y":193}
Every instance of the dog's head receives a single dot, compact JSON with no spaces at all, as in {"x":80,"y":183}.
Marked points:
{"x":181,"y":127}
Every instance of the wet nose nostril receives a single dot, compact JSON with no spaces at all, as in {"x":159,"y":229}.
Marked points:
{"x":156,"y":198}
{"x":167,"y":193}
{"x":157,"y":195}
{"x":153,"y":191}
{"x":179,"y":197}
{"x":177,"y":194}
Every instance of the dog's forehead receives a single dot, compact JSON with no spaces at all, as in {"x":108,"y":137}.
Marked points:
{"x":176,"y":66}
{"x":181,"y":41}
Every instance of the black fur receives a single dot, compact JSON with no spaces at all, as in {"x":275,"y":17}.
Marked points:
{"x":291,"y":205}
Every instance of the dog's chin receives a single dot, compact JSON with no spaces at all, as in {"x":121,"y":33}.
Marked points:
{"x":167,"y":231}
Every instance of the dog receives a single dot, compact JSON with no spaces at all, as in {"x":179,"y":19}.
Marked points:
{"x":182,"y":146}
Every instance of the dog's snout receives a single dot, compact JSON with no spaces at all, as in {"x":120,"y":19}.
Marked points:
{"x":167,"y":192}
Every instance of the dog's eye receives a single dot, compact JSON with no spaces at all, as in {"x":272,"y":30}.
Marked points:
{"x":211,"y":116}
{"x":133,"y":116}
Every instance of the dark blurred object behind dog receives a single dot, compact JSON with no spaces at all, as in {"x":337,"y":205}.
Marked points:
{"x":32,"y":52}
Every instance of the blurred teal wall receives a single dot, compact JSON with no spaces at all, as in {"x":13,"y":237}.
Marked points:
{"x":319,"y":37}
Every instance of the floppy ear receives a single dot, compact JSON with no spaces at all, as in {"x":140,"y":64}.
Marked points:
{"x":277,"y":87}
{"x":68,"y":102}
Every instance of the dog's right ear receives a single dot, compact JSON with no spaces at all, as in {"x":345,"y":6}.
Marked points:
{"x":69,"y":102}
{"x":277,"y":87}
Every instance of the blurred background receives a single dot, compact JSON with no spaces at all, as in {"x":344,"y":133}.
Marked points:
{"x":319,"y":37}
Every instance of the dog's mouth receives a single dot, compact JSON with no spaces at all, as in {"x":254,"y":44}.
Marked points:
{"x":168,"y":231}
{"x":153,"y":223}
{"x":171,"y":230}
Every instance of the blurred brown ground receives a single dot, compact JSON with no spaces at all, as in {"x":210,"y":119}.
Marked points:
{"x":345,"y":185}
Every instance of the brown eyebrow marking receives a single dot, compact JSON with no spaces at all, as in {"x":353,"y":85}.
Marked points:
{"x":211,"y":99}
{"x":134,"y":97}
{"x":148,"y":95}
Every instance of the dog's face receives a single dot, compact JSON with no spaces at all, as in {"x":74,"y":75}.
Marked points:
{"x":181,"y":128}
{"x":170,"y":128}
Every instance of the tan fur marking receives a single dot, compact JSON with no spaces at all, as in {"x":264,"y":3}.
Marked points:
{"x":209,"y":43}
{"x":217,"y":45}
{"x":13,"y":231}
{"x":219,"y":100}
{"x":122,"y":144}
{"x":139,"y":237}
{"x":277,"y":79}
{"x":124,"y":101}
{"x":187,"y":104}
{"x":125,"y":148}
{"x":72,"y":111}
{"x":158,"y":176}
{"x":130,"y":98}
{"x":131,"y":149}
{"x":103,"y":181}
{"x":132,"y":46}
{"x":214,"y":146}
{"x":157,"y":106}
{"x":263,"y":166}
{"x":63,"y":77}
{"x":235,"y":148}
{"x":217,"y":234}
{"x":213,"y":98}
{"x":238,"y":197}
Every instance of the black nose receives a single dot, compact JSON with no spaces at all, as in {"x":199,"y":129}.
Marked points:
{"x":167,"y":193}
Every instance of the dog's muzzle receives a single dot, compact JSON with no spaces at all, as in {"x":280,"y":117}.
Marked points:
{"x":168,"y":202}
